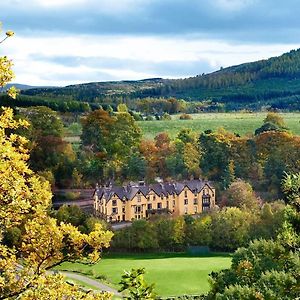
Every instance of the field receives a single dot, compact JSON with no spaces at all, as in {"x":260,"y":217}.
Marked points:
{"x":173,"y":274}
{"x":241,"y":123}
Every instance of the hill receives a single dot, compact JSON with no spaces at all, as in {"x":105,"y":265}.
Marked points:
{"x":21,"y":87}
{"x":273,"y":82}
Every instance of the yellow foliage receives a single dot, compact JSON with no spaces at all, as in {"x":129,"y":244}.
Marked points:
{"x":25,"y":200}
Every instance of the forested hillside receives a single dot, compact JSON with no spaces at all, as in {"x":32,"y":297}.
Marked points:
{"x":274,"y":82}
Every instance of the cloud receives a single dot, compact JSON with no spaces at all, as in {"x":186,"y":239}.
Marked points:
{"x":85,"y":58}
{"x":66,"y":41}
{"x":250,"y":21}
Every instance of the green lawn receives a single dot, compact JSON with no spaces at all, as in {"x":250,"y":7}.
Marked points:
{"x":173,"y":274}
{"x":242,"y":123}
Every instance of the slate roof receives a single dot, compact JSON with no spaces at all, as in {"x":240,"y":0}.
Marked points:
{"x":161,"y":189}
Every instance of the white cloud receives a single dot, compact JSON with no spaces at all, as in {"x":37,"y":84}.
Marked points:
{"x":54,"y":3}
{"x":32,"y":67}
{"x":234,"y":5}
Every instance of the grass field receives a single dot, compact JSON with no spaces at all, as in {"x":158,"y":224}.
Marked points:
{"x":242,"y":123}
{"x":173,"y":274}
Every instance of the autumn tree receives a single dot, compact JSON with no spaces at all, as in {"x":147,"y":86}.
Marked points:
{"x":25,"y":200}
{"x":272,"y":122}
{"x":240,"y":194}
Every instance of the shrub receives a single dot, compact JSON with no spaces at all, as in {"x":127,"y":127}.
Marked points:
{"x":185,"y":117}
{"x":72,"y":195}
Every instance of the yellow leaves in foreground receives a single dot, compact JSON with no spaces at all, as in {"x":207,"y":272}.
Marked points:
{"x":53,"y":287}
{"x":25,"y":200}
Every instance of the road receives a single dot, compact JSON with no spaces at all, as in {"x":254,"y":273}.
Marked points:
{"x":98,"y":285}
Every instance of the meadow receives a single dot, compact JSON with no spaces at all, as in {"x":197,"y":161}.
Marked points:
{"x":241,"y":123}
{"x":173,"y":274}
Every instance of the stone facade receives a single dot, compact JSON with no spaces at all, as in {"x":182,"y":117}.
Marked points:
{"x":139,"y":201}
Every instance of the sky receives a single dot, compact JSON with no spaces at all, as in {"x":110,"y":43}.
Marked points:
{"x":62,"y":42}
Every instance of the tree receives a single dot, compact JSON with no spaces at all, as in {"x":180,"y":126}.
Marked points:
{"x":272,"y":122}
{"x":230,"y":228}
{"x":216,"y":154}
{"x":24,"y":203}
{"x":43,"y":122}
{"x":133,"y":281}
{"x":109,"y":140}
{"x":122,"y":107}
{"x":241,"y":194}
{"x":267,"y":269}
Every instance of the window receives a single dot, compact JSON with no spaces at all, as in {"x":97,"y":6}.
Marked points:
{"x":159,"y":205}
{"x":185,"y":210}
{"x":173,"y":202}
{"x":153,"y":197}
{"x":149,"y":206}
{"x":185,"y":193}
{"x":123,"y":210}
{"x":205,"y":202}
{"x":139,"y":198}
{"x":162,"y":197}
{"x":115,"y":210}
{"x":195,"y":209}
{"x":167,"y":204}
{"x":114,"y":203}
{"x":148,"y":198}
{"x":186,"y":201}
{"x":174,"y":195}
{"x":195,"y":201}
{"x":205,"y":208}
{"x":137,"y":209}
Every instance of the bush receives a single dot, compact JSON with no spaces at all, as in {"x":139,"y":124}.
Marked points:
{"x":149,"y":118}
{"x":166,"y":117}
{"x":72,"y":195}
{"x":185,"y":117}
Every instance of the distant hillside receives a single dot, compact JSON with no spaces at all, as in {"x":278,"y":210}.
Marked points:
{"x":21,"y":87}
{"x":90,"y":91}
{"x":274,"y":82}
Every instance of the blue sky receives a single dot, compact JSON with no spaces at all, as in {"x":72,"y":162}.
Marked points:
{"x":60,"y":42}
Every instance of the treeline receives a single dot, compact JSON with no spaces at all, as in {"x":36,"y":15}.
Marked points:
{"x":223,"y":230}
{"x":272,"y":83}
{"x":286,"y":66}
{"x":112,"y":148}
{"x":56,"y":104}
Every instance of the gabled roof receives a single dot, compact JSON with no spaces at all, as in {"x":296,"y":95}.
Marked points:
{"x":129,"y":191}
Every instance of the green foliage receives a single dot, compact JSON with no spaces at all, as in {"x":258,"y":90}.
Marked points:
{"x":133,"y":281}
{"x":272,"y":122}
{"x":108,"y":141}
{"x":241,"y":194}
{"x":231,"y":228}
{"x":267,"y":269}
{"x":74,"y":215}
{"x":268,"y":83}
